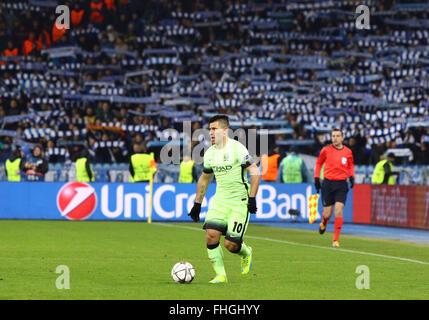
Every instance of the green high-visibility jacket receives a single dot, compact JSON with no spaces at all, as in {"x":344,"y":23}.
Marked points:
{"x":12,"y":170}
{"x":82,"y":172}
{"x":292,"y":169}
{"x":142,"y":165}
{"x":185,"y":175}
{"x":379,"y":173}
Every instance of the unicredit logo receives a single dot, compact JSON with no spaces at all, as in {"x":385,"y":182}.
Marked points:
{"x":76,"y":200}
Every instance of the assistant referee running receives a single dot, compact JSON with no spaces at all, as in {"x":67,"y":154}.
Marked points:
{"x":339,"y":166}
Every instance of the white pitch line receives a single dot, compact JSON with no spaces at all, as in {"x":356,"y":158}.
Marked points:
{"x":308,"y":245}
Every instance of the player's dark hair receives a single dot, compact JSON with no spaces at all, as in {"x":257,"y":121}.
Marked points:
{"x":223,"y":119}
{"x":338,"y":130}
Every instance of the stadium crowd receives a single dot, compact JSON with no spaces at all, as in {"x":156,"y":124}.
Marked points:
{"x":126,"y":70}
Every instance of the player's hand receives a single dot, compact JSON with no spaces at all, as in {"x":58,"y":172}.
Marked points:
{"x":317,"y":184}
{"x":352,"y":181}
{"x":251,"y":205}
{"x":195,"y":212}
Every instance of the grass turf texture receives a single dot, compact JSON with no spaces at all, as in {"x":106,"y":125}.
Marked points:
{"x":133,"y":260}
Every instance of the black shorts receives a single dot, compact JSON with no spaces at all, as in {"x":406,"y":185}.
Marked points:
{"x":334,"y":191}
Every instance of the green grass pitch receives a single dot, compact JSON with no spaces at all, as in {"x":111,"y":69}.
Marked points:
{"x":133,"y":260}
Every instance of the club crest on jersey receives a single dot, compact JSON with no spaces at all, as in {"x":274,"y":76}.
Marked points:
{"x":344,"y":161}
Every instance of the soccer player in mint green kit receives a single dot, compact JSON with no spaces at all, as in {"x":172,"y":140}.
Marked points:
{"x":228,"y":159}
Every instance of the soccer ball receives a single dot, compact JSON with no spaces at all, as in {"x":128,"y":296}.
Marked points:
{"x":183,"y":272}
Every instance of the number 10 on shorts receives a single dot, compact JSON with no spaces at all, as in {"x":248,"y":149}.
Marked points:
{"x":237,"y":227}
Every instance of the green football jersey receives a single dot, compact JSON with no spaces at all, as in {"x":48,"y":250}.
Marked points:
{"x":229,"y":167}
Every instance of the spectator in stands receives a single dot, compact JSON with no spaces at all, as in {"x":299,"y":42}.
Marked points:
{"x":58,"y":31}
{"x":5,"y":149}
{"x":104,"y":154}
{"x":11,"y":50}
{"x":121,"y":23}
{"x":53,"y":158}
{"x":90,"y":116}
{"x":318,"y":144}
{"x":111,"y":34}
{"x":376,"y":151}
{"x":19,"y":32}
{"x":146,"y":90}
{"x":165,"y":123}
{"x":356,"y":150}
{"x":29,"y":44}
{"x":77,"y":15}
{"x":120,"y":44}
{"x":43,"y":39}
{"x":119,"y":155}
{"x":97,"y":12}
{"x":123,"y":115}
{"x":36,"y":166}
{"x":425,"y":137}
{"x":408,"y":140}
{"x":4,"y":36}
{"x":104,"y":113}
{"x":136,"y":23}
{"x":421,"y":155}
{"x":14,"y":109}
{"x":299,"y":130}
{"x":148,"y":138}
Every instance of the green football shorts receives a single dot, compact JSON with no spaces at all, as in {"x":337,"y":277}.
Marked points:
{"x":229,"y":217}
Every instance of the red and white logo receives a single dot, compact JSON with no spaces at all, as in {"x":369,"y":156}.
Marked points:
{"x":76,"y":200}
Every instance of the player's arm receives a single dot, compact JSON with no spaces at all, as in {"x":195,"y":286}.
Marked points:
{"x":351,"y":170}
{"x":255,"y":179}
{"x":319,"y":163}
{"x":255,"y":176}
{"x":202,"y":185}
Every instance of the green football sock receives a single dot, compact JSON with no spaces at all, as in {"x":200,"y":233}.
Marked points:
{"x":216,"y":258}
{"x":244,"y":252}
